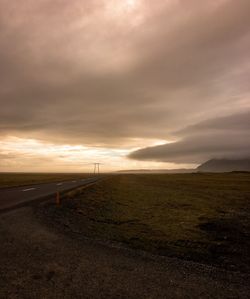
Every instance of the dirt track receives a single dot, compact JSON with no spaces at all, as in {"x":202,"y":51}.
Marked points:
{"x":39,"y":262}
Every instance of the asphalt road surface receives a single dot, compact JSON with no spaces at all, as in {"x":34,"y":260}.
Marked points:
{"x":18,"y":196}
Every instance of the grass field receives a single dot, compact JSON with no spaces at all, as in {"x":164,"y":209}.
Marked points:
{"x":21,"y":179}
{"x":200,"y":217}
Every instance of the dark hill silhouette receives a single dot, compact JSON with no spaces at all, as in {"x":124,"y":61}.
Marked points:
{"x":225,"y":165}
{"x":213,"y":165}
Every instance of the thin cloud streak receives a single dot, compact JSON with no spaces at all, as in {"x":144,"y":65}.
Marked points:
{"x":18,"y":154}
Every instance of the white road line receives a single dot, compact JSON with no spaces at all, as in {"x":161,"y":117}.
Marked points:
{"x":24,"y":190}
{"x":59,"y":184}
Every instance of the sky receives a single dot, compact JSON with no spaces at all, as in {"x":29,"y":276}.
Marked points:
{"x":131,"y":84}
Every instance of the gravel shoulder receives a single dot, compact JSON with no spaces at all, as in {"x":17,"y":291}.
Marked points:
{"x":40,"y":261}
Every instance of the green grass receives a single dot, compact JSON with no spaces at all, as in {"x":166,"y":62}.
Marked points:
{"x":21,"y":179}
{"x":202,"y":217}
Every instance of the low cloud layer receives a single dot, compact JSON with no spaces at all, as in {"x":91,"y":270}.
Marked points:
{"x":225,"y":137}
{"x":107,"y":73}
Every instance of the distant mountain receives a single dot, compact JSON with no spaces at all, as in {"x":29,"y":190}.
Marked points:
{"x":158,"y":171}
{"x":213,"y":165}
{"x":225,"y":165}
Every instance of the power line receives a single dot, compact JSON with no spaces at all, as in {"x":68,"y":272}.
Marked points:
{"x":96,"y":168}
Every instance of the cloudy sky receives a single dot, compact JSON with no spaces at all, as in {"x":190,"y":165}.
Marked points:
{"x":128,"y":83}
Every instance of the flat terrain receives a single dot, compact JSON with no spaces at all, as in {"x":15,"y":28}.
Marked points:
{"x":199,"y":217}
{"x":88,"y":246}
{"x":38,"y":261}
{"x":22,"y":179}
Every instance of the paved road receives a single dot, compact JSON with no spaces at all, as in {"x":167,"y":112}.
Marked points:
{"x":18,"y":196}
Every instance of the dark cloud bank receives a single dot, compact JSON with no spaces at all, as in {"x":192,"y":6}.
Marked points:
{"x":83,"y":72}
{"x":225,"y":137}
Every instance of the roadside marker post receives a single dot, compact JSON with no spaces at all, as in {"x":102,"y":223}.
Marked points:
{"x":58,"y":198}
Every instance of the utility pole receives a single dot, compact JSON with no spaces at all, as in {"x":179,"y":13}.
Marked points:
{"x":96,"y":168}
